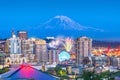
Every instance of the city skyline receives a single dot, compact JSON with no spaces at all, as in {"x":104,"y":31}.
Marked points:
{"x":60,"y":39}
{"x":25,"y":15}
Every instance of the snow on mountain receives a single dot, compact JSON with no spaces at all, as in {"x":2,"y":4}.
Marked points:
{"x":66,"y":23}
{"x":64,"y":26}
{"x":63,"y":22}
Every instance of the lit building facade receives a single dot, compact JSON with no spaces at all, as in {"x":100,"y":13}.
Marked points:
{"x":114,"y":61}
{"x":30,"y":44}
{"x":14,"y":44}
{"x":41,"y":51}
{"x":29,"y":49}
{"x":15,"y":59}
{"x":2,"y":45}
{"x":23,"y":35}
{"x":13,"y":47}
{"x":53,"y":56}
{"x":83,"y":48}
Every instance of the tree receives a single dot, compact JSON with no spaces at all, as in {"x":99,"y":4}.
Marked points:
{"x":57,"y":69}
{"x":88,"y":75}
{"x":5,"y":69}
{"x":62,"y":72}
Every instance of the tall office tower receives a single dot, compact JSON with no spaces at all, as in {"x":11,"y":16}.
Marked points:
{"x":30,"y":46}
{"x":41,"y":51}
{"x":53,"y":56}
{"x":23,"y":35}
{"x":23,"y":47}
{"x":83,"y":49}
{"x":14,"y":44}
{"x":29,"y":49}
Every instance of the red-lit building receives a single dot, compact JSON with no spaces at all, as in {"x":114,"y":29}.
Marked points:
{"x":23,"y":35}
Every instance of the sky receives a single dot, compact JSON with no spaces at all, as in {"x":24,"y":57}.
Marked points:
{"x":103,"y":14}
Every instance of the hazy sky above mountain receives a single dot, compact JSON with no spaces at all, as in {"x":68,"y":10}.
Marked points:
{"x":103,"y":14}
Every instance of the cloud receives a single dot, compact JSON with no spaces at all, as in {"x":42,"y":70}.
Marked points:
{"x":95,"y":29}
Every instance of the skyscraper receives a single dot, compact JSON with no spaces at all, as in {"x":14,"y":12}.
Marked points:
{"x":41,"y":51}
{"x":83,"y":48}
{"x":23,"y":35}
{"x":28,"y":49}
{"x":53,"y":56}
{"x":14,"y":44}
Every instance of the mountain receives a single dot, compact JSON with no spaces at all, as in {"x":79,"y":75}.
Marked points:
{"x":66,"y":23}
{"x":64,"y":26}
{"x":63,"y":23}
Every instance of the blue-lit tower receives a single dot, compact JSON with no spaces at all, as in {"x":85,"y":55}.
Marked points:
{"x":14,"y":44}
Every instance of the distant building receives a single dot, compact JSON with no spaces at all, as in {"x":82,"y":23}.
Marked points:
{"x":2,"y":59}
{"x":7,"y":46}
{"x":41,"y":51}
{"x":15,"y":59}
{"x":29,"y":49}
{"x":14,"y":47}
{"x":69,"y":69}
{"x":53,"y":56}
{"x":83,"y":48}
{"x":24,"y":47}
{"x":23,"y":35}
{"x":30,"y":46}
{"x":115,"y":61}
{"x":14,"y":44}
{"x":2,"y":45}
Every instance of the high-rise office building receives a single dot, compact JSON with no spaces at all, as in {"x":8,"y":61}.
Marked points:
{"x":23,"y":35}
{"x":53,"y":56}
{"x":83,"y":48}
{"x":30,"y":46}
{"x":14,"y":44}
{"x":28,"y":49}
{"x":41,"y":51}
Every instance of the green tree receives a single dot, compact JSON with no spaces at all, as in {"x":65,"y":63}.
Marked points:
{"x":64,"y":77}
{"x":57,"y":69}
{"x":88,"y":75}
{"x":5,"y":69}
{"x":62,"y":72}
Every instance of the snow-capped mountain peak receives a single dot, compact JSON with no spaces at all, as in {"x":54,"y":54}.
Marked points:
{"x":65,"y":26}
{"x":63,"y":22}
{"x":63,"y":18}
